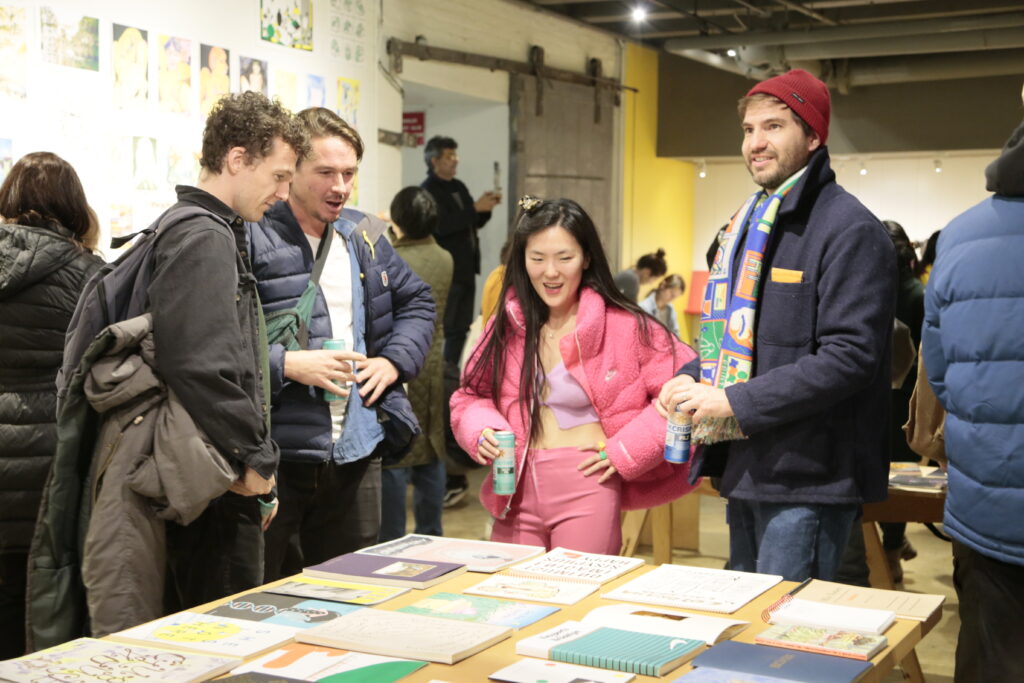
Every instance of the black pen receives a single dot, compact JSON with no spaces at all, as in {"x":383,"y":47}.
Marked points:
{"x":803,"y":584}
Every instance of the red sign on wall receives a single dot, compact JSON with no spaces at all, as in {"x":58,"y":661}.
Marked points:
{"x":414,"y":122}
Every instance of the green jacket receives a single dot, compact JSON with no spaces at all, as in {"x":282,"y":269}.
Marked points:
{"x":426,"y":393}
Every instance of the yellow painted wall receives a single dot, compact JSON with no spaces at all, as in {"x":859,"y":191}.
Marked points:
{"x":657,"y":202}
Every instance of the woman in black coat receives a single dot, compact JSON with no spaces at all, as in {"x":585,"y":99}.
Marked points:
{"x":47,"y":235}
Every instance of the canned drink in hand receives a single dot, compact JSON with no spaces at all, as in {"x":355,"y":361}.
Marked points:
{"x":504,"y":466}
{"x":677,"y":437}
{"x":334,"y":345}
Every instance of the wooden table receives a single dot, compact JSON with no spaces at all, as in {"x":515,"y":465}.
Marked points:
{"x":901,"y":506}
{"x":903,"y":635}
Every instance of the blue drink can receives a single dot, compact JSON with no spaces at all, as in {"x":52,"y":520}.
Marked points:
{"x":504,"y":466}
{"x":677,"y":437}
{"x":334,"y":345}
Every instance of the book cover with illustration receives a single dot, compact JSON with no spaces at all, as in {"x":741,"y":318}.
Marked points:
{"x":573,"y":565}
{"x":545,"y":671}
{"x":667,"y":622}
{"x":610,"y":648}
{"x":503,"y":585}
{"x":702,"y":588}
{"x":209,"y":633}
{"x":317,"y":663}
{"x":762,"y":660}
{"x":88,"y":660}
{"x":479,"y":610}
{"x":385,"y":570}
{"x":826,"y":641}
{"x":284,"y":610}
{"x":337,"y":591}
{"x":478,"y":556}
{"x":412,"y":636}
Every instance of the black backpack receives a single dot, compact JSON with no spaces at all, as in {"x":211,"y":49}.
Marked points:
{"x":118,"y":290}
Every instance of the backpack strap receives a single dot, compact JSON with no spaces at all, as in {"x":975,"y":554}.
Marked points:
{"x":304,"y":306}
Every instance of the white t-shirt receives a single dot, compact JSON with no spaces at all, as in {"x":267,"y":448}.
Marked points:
{"x":336,"y":284}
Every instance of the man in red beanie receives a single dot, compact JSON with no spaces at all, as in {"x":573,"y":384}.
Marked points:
{"x":791,"y":395}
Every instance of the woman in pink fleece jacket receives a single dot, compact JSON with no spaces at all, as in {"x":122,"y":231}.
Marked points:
{"x":573,"y":369}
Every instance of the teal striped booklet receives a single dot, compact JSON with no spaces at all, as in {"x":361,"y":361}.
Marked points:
{"x":610,"y":648}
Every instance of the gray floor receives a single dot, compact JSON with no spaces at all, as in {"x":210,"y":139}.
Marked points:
{"x":929,"y":572}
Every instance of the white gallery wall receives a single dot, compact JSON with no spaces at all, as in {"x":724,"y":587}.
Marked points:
{"x":132,"y":143}
{"x":903,"y":188}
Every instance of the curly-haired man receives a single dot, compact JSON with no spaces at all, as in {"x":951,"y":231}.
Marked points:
{"x":210,"y":345}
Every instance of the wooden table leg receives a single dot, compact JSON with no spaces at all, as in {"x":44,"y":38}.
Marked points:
{"x":879,"y":574}
{"x":661,"y":534}
{"x":632,"y":524}
{"x":881,"y":577}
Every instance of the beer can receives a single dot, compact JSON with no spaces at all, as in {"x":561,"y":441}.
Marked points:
{"x":504,"y":466}
{"x":334,"y":345}
{"x":677,"y":437}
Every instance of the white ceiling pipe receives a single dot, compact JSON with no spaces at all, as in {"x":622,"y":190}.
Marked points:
{"x":883,"y":71}
{"x":967,"y":41}
{"x":860,"y":32}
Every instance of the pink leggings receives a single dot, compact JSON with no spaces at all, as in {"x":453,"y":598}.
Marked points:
{"x":555,"y":505}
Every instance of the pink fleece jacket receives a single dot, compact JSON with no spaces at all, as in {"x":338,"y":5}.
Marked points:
{"x":621,"y":375}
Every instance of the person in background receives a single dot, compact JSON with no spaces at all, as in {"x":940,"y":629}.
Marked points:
{"x":647,"y":268}
{"x":414,"y":219}
{"x":459,"y":219}
{"x":974,"y":357}
{"x":790,"y":396}
{"x":571,"y":367}
{"x":909,"y":311}
{"x":924,"y":266}
{"x":659,"y":302}
{"x":332,"y":451}
{"x":47,"y":237}
{"x":492,"y":288}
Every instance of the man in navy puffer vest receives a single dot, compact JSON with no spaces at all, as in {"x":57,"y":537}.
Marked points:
{"x":329,"y":479}
{"x":974,"y":354}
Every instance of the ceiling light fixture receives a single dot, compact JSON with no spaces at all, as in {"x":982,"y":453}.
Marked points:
{"x":938,"y":166}
{"x":731,"y":52}
{"x":639,"y":14}
{"x":863,"y":169}
{"x":702,"y":170}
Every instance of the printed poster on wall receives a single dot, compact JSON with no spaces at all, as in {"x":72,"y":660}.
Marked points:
{"x":69,"y":39}
{"x":348,"y":101}
{"x":214,"y":76}
{"x":288,"y":23}
{"x":6,"y":157}
{"x":175,"y":71}
{"x":316,"y":91}
{"x":285,"y":87}
{"x":129,"y":58}
{"x":13,"y":52}
{"x":252,"y":75}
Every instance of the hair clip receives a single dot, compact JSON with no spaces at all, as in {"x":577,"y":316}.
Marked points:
{"x":528,"y":203}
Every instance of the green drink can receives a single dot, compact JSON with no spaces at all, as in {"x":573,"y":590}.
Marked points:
{"x":504,"y":466}
{"x":334,"y":345}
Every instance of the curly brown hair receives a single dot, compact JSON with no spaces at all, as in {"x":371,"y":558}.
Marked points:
{"x":252,"y":121}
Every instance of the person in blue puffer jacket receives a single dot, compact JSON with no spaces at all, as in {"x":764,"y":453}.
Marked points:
{"x":329,"y":479}
{"x":974,"y":355}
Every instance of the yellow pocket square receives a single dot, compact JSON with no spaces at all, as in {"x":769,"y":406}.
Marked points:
{"x":784,"y":275}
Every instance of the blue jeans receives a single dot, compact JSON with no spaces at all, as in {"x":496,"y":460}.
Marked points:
{"x":427,"y":499}
{"x":798,"y":541}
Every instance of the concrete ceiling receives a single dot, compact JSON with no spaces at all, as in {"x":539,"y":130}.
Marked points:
{"x":847,"y":43}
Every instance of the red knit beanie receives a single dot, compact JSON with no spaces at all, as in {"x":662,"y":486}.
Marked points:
{"x":804,"y":94}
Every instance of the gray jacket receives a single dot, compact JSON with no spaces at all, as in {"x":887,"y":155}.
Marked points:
{"x":151,"y":464}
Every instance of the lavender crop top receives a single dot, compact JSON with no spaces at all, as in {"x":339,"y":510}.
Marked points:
{"x":567,"y":400}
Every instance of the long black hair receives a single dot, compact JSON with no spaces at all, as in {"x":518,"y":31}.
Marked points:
{"x":488,"y":364}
